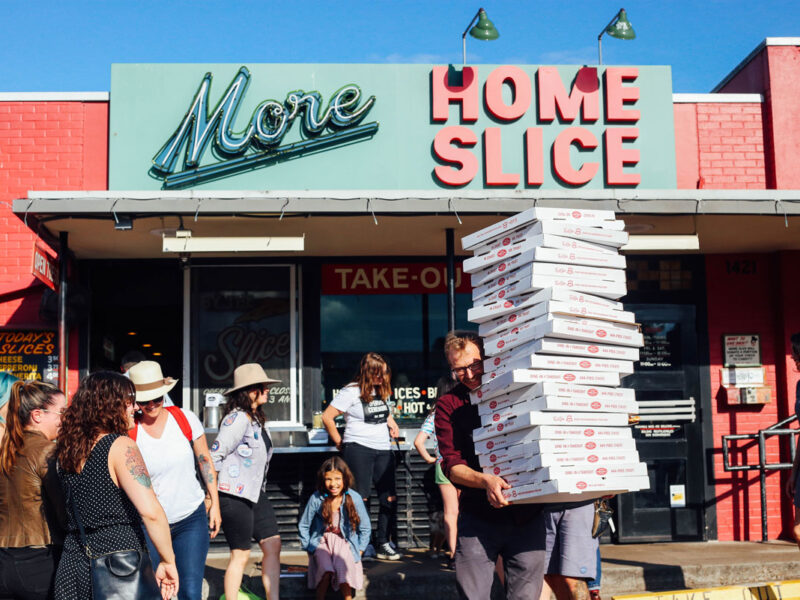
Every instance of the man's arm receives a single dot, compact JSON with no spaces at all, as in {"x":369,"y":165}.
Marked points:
{"x":494,"y":485}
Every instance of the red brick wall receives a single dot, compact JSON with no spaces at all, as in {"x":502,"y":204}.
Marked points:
{"x":44,"y":146}
{"x":730,"y":138}
{"x":741,"y":300}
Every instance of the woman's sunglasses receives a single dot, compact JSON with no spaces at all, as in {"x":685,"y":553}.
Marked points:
{"x":147,"y":403}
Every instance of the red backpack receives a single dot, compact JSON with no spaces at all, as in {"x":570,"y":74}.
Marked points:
{"x":183,"y":423}
{"x":186,"y":429}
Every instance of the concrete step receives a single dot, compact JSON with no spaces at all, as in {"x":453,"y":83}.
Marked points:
{"x":626,"y":569}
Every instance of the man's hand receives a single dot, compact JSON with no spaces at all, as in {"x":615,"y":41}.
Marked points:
{"x":494,"y":487}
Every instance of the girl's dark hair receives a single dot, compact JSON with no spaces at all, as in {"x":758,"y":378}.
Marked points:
{"x":794,"y":340}
{"x":373,"y":364}
{"x":24,"y":398}
{"x":334,"y":463}
{"x":98,"y":407}
{"x":240,"y":399}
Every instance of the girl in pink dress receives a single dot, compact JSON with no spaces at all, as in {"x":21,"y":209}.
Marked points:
{"x":335,"y":530}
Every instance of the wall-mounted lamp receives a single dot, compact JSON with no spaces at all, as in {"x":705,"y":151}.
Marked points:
{"x":188,"y":244}
{"x":123,"y":223}
{"x":484,"y":30}
{"x":620,"y":28}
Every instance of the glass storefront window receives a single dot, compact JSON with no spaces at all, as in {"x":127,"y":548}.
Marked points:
{"x":398,"y":310}
{"x":245,"y":314}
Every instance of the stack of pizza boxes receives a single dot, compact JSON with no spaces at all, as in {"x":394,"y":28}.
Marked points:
{"x":554,"y":419}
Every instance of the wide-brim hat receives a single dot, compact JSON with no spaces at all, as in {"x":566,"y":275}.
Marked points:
{"x":149,"y":381}
{"x":247,"y":375}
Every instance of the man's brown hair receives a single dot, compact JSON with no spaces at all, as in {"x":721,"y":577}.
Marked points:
{"x":457,"y":340}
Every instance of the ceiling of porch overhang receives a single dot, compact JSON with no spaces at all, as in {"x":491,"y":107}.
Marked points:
{"x":393,"y":235}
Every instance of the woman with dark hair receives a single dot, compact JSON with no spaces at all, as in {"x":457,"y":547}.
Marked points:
{"x":366,"y":445}
{"x":241,"y":455}
{"x":31,"y":503}
{"x":334,"y":530}
{"x":107,"y":487}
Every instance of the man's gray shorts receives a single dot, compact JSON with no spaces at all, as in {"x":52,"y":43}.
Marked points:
{"x":570,"y":549}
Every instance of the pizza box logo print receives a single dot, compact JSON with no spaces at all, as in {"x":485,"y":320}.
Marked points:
{"x":596,"y":405}
{"x":585,"y":364}
{"x":588,"y":432}
{"x":506,"y":241}
{"x":593,"y":349}
{"x":602,"y":471}
{"x":497,"y":361}
{"x":592,"y":392}
{"x":592,"y":458}
{"x":502,"y":253}
{"x":501,"y":294}
{"x":601,"y":333}
{"x":590,"y":445}
{"x":576,"y":214}
{"x":500,"y":427}
{"x":493,"y":457}
{"x":490,"y":444}
{"x":512,"y":318}
{"x":501,"y":267}
{"x":569,"y":377}
{"x":500,"y":344}
{"x":508,"y":304}
{"x":581,"y":485}
{"x":493,"y":404}
{"x":496,"y":418}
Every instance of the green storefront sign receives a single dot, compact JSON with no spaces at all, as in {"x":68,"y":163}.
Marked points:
{"x":373,"y":127}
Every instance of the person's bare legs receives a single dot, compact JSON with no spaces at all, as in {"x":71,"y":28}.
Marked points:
{"x":322,"y":588}
{"x":796,"y":527}
{"x":346,"y":591}
{"x":450,"y":501}
{"x":546,"y":591}
{"x":498,"y":568}
{"x":568,"y":588}
{"x":271,"y":566}
{"x":234,"y":572}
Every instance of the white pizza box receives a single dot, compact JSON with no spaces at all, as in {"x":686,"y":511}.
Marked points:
{"x":485,"y":309}
{"x":557,"y":361}
{"x":552,"y":432}
{"x":495,"y":326}
{"x":574,"y":489}
{"x":563,"y":348}
{"x":521,"y":478}
{"x":502,"y":306}
{"x":562,"y":403}
{"x":493,"y":425}
{"x":533,"y":464}
{"x":511,"y":380}
{"x":556,"y":448}
{"x":593,"y":217}
{"x":539,"y":248}
{"x":528,"y":282}
{"x":559,"y":392}
{"x":535,"y":270}
{"x":563,"y":326}
{"x":531,"y":230}
{"x":509,"y":414}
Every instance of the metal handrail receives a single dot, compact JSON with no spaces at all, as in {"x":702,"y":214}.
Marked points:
{"x":778,"y":429}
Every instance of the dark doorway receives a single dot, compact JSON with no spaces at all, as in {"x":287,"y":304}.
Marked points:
{"x":135,"y":305}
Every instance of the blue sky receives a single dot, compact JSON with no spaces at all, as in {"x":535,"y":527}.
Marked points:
{"x":69,"y":45}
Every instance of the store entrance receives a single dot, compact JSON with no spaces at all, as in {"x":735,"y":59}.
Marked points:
{"x":669,"y":434}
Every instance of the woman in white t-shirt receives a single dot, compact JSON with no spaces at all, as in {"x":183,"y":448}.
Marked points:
{"x":366,"y":445}
{"x":172,"y":442}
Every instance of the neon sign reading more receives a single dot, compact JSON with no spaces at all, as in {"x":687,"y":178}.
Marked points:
{"x":259,"y":144}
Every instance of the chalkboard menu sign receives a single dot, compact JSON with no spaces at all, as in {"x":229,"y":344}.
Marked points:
{"x":29,"y":354}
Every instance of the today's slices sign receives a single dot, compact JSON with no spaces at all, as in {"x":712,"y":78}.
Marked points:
{"x":511,"y":94}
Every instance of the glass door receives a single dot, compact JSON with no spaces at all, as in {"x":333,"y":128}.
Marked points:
{"x":243,"y":314}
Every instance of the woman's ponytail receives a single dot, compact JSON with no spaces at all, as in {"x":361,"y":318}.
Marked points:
{"x":25,"y":397}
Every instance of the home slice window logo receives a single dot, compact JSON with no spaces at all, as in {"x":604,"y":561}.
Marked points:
{"x":260,"y":143}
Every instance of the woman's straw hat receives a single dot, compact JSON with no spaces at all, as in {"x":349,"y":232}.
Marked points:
{"x":249,"y":374}
{"x":149,"y":381}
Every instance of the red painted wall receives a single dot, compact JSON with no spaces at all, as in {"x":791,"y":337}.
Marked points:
{"x":44,"y":146}
{"x":741,"y":300}
{"x":720,"y":145}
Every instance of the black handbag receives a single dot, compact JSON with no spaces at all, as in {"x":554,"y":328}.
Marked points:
{"x":120,"y":575}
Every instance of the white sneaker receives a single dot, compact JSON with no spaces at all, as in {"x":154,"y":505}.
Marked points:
{"x":386,"y":552}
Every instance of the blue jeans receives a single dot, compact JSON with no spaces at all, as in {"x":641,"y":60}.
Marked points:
{"x":190,"y":542}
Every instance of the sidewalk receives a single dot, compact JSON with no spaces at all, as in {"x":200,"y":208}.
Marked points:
{"x":626,"y":569}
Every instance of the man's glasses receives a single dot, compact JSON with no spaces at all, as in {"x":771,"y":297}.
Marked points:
{"x":146,"y":403}
{"x":475,"y":367}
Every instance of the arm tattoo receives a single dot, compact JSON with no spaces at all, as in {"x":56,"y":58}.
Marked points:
{"x":135,"y":466}
{"x":206,"y":468}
